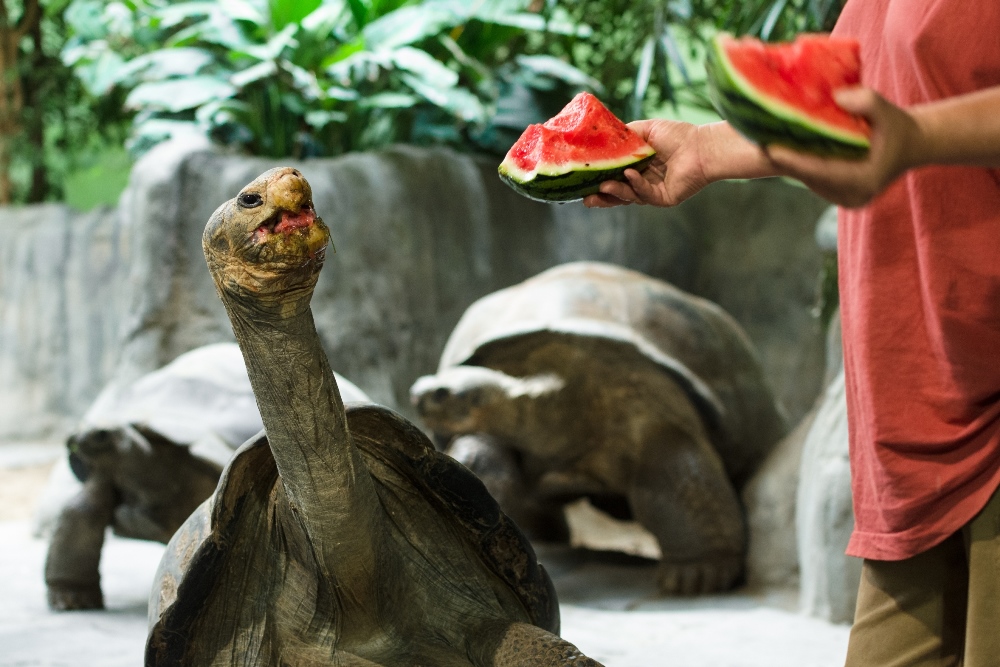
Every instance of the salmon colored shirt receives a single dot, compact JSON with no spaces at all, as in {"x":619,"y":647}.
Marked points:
{"x":920,"y":294}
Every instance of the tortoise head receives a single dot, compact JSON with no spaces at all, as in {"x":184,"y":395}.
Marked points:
{"x":468,"y":399}
{"x":266,"y":245}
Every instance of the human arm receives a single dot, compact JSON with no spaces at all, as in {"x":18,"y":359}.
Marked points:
{"x":688,"y":157}
{"x":961,"y":130}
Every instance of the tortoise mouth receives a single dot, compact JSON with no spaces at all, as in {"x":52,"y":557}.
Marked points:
{"x":285,"y":223}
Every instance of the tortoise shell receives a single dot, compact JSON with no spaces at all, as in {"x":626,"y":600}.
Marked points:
{"x":207,"y":550}
{"x":201,"y":400}
{"x":594,"y":304}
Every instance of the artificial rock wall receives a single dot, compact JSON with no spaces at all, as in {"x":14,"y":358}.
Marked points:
{"x":106,"y":296}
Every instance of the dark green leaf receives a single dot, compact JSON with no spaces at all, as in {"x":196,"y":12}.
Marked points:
{"x":285,"y":12}
{"x":360,"y":10}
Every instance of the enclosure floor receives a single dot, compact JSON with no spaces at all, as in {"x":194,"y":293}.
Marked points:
{"x":606,"y":611}
{"x":609,"y":608}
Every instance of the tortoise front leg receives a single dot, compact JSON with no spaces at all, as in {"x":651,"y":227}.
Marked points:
{"x":71,"y":566}
{"x":526,"y":645}
{"x":680,"y":492}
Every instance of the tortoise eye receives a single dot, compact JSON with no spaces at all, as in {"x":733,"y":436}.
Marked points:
{"x":249,"y":200}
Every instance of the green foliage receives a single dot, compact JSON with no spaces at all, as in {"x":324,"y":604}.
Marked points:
{"x":650,"y":53}
{"x":321,"y":77}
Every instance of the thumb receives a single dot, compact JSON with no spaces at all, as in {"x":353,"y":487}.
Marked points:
{"x":642,"y":127}
{"x":859,"y":101}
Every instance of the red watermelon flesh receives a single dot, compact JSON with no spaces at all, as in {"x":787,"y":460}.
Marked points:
{"x":585,"y":135}
{"x":801,"y":76}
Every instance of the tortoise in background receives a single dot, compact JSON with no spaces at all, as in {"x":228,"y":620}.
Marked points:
{"x":341,"y":537}
{"x":591,"y":380}
{"x":147,"y":455}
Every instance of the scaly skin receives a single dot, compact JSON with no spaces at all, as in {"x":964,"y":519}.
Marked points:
{"x":334,"y":558}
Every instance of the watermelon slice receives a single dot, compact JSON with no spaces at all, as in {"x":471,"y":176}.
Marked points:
{"x":783,"y":93}
{"x":568,"y":156}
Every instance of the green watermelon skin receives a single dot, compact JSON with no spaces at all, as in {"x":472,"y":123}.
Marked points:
{"x":571,"y":186}
{"x":751,"y":115}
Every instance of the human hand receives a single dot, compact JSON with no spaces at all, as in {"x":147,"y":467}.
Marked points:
{"x":853,"y":183}
{"x":674,"y":174}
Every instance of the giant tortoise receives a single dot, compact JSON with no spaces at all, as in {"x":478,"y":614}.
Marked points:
{"x":341,"y":537}
{"x":146,"y":455}
{"x":591,"y":380}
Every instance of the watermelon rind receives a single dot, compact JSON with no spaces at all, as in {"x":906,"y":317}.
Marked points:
{"x":569,"y":182}
{"x":765,"y":120}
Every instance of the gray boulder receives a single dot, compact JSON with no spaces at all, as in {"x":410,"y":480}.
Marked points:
{"x":87,"y":299}
{"x":825,"y":516}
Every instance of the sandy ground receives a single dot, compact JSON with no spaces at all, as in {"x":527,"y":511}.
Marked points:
{"x":608,"y":606}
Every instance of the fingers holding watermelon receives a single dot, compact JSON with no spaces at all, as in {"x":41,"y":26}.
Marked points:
{"x":674,"y":174}
{"x":855,"y":182}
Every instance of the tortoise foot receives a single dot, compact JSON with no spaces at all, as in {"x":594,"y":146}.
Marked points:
{"x":70,"y":598}
{"x":709,"y":575}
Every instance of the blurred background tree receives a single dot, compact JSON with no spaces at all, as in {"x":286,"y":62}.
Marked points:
{"x":82,"y":80}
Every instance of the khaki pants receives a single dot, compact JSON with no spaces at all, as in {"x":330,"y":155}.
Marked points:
{"x":939,"y":608}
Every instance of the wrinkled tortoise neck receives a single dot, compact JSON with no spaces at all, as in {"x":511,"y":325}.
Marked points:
{"x":321,"y":470}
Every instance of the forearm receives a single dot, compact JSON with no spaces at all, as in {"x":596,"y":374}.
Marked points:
{"x":958,"y":130}
{"x":726,"y":154}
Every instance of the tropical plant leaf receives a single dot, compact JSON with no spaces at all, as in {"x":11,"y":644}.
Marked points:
{"x":559,"y":69}
{"x":682,"y":9}
{"x":242,"y":10}
{"x":408,"y":25}
{"x":771,"y":18}
{"x":360,"y":9}
{"x":643,"y":75}
{"x":458,"y":101}
{"x":426,"y":66}
{"x":86,"y":18}
{"x":321,"y":118}
{"x":261,"y":70}
{"x":100,"y":74}
{"x":175,"y":95}
{"x":287,"y":12}
{"x":674,"y":54}
{"x":148,"y":133}
{"x":326,"y":18}
{"x":389,"y":100}
{"x":173,"y":15}
{"x":166,"y":63}
{"x":275,"y":46}
{"x":305,"y":81}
